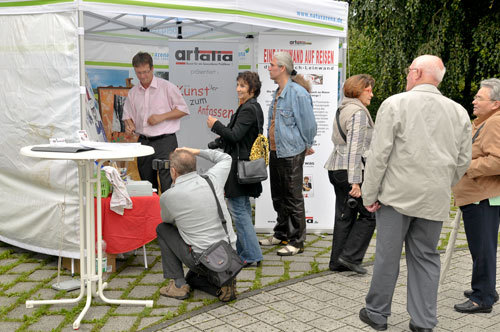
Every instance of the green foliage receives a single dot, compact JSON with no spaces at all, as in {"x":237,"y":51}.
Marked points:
{"x":386,"y":35}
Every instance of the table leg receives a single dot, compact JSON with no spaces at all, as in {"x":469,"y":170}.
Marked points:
{"x":30,"y":303}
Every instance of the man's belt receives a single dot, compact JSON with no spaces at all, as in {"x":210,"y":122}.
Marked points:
{"x":154,"y":138}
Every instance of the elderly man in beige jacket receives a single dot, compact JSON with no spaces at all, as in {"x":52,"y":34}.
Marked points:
{"x":421,"y":147}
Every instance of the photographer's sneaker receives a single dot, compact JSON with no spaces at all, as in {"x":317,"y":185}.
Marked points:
{"x":171,"y":290}
{"x":228,"y":292}
{"x":272,"y":241}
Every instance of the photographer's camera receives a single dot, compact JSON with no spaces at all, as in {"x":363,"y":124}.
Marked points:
{"x":159,"y":164}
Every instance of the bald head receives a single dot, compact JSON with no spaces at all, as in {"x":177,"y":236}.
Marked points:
{"x":182,"y":161}
{"x":425,"y":69}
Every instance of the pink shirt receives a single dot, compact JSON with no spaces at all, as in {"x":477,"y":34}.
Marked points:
{"x":160,"y":97}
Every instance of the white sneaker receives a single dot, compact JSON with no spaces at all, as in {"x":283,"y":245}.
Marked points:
{"x":271,"y":241}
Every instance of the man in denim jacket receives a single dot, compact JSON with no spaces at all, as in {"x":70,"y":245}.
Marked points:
{"x":291,"y":131}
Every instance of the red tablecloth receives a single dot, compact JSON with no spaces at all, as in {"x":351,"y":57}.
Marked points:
{"x":135,"y":228}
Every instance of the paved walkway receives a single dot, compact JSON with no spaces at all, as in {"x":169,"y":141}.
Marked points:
{"x":285,"y":293}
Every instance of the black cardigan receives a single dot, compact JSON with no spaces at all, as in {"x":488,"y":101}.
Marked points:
{"x":240,"y":134}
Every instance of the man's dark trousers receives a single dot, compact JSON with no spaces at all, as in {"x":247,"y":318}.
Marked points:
{"x":163,"y":147}
{"x":286,"y":175}
{"x":481,"y":223}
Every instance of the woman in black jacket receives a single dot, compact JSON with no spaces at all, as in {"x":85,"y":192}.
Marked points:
{"x":237,"y":139}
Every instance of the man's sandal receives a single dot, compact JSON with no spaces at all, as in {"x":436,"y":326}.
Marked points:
{"x":290,"y":250}
{"x":272,"y":241}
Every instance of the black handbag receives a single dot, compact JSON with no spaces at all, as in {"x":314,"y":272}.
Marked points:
{"x":254,"y":170}
{"x":221,"y":260}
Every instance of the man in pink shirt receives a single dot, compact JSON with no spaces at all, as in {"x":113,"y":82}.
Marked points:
{"x":153,"y":110}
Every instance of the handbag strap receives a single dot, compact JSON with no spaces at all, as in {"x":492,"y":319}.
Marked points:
{"x":477,"y":132}
{"x":337,"y":117}
{"x":252,"y":105}
{"x":219,"y":208}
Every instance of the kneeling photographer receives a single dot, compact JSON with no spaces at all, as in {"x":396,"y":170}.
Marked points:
{"x":352,"y":132}
{"x":196,"y":220}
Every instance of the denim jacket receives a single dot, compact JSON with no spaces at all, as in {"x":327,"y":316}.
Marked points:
{"x":295,"y":125}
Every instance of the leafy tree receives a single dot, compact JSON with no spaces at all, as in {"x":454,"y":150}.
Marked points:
{"x":386,"y":35}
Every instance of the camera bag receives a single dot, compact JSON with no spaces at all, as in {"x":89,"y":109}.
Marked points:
{"x":221,"y":260}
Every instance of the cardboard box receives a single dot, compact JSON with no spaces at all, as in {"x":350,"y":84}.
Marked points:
{"x":139,"y":188}
{"x":111,"y":263}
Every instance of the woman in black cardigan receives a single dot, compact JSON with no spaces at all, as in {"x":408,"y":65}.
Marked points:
{"x":237,"y":139}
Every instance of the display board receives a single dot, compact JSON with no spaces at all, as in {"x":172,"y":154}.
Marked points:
{"x":317,"y":59}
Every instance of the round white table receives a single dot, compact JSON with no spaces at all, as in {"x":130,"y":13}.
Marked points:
{"x":88,"y":275}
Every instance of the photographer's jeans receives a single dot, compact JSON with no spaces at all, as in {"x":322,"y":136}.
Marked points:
{"x":247,"y":244}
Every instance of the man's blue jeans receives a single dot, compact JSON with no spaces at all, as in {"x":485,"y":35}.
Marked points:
{"x":247,"y":244}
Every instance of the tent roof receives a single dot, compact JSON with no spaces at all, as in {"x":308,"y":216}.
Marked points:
{"x":160,"y":19}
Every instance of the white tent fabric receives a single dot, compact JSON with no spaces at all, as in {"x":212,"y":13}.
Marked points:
{"x":39,"y":99}
{"x":40,"y":88}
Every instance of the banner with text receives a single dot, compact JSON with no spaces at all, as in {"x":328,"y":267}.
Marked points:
{"x":316,"y":58}
{"x":205,"y":72}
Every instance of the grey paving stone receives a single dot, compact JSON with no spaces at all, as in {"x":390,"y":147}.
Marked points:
{"x":109,"y":294}
{"x":8,"y":261}
{"x":294,"y":325}
{"x":8,"y":278}
{"x":42,"y":274}
{"x":20,"y":311}
{"x":265,"y":298}
{"x":148,"y":321}
{"x":326,"y":324}
{"x":223,"y":311}
{"x":163,"y":311}
{"x":194,"y":305}
{"x":153,"y":278}
{"x":7,"y":301}
{"x":21,"y":287}
{"x":25,"y":267}
{"x":272,"y":317}
{"x":175,"y":327}
{"x":238,"y":319}
{"x":120,"y":283}
{"x":283,"y":306}
{"x":9,"y":326}
{"x":267,"y":280}
{"x":132,"y":271}
{"x":142,"y":292}
{"x":255,"y":311}
{"x":168,"y":301}
{"x":128,"y":309}
{"x":272,"y":271}
{"x":224,"y":328}
{"x":210,"y":325}
{"x":203,"y":317}
{"x":244,"y":304}
{"x":47,"y":323}
{"x":118,"y":323}
{"x":246,"y":274}
{"x":259,"y":326}
{"x":298,"y":266}
{"x":96,"y":312}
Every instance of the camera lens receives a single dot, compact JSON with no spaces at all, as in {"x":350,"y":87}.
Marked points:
{"x":213,"y":145}
{"x":352,"y":202}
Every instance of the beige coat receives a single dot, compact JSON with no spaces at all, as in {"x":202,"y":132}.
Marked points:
{"x":421,"y":147}
{"x":482,"y":179}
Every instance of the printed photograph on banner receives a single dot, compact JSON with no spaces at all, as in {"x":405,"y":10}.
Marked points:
{"x":307,"y":186}
{"x":100,"y":77}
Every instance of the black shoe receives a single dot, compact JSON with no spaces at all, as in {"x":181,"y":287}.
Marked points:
{"x":363,"y":315}
{"x":468,"y":307}
{"x":353,"y":267}
{"x":414,"y":328}
{"x":251,"y":264}
{"x":469,"y":292}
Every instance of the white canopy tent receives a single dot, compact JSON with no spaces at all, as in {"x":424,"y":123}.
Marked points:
{"x":43,"y":72}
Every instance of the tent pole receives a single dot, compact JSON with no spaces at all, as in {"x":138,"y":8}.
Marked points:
{"x":82,"y":68}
